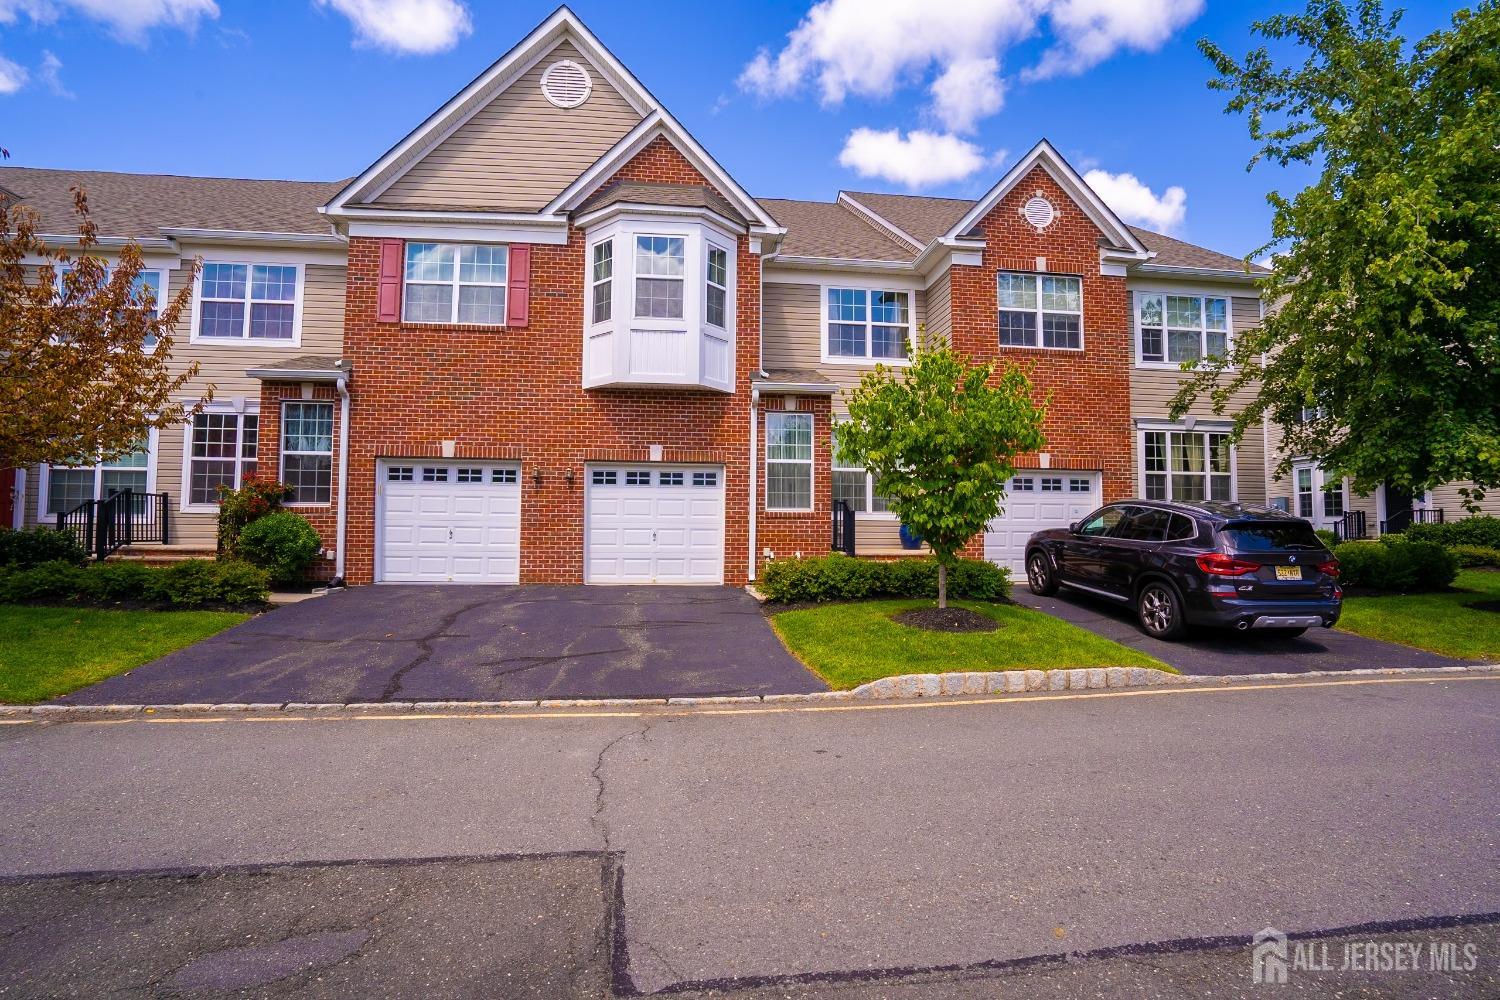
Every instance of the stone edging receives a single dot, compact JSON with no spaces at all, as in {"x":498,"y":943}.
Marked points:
{"x":887,"y":688}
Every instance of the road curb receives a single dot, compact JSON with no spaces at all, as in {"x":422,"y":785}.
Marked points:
{"x":907,"y":686}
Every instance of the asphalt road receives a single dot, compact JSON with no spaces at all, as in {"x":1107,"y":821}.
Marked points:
{"x":722,"y":854}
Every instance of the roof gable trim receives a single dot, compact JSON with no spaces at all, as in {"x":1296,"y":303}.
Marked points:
{"x":875,"y":218}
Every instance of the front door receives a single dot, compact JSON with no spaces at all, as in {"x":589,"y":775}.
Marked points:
{"x":1398,"y":506}
{"x":8,"y":498}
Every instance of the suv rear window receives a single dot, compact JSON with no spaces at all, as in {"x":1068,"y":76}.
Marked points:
{"x":1271,"y":537}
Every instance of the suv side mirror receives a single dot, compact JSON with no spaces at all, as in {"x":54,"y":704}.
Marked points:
{"x":1073,"y":528}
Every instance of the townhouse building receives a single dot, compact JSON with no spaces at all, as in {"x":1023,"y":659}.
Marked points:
{"x":547,"y":337}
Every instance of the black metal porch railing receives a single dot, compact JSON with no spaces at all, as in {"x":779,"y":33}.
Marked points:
{"x":843,"y":528}
{"x":1403,"y":519}
{"x":1351,"y":527}
{"x":120,"y":519}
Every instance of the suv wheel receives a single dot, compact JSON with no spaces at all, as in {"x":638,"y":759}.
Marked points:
{"x":1160,"y":611}
{"x":1039,"y":575}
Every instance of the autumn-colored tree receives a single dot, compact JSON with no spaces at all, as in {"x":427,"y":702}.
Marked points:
{"x":84,"y":348}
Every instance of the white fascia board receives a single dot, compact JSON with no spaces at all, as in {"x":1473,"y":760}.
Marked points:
{"x":1068,"y":179}
{"x":799,"y":388}
{"x":466,"y":230}
{"x":936,"y":253}
{"x":258,"y":239}
{"x":1168,"y":424}
{"x":1204,"y":273}
{"x":730,"y":227}
{"x":295,"y":374}
{"x":845,"y":198}
{"x":70,"y":240}
{"x":840,"y":264}
{"x":886,"y":279}
{"x":500,"y":74}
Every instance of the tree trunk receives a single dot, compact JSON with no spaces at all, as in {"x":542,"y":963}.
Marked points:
{"x":942,"y":585}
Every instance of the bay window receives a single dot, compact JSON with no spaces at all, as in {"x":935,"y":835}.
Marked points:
{"x":867,"y":324}
{"x":660,"y":270}
{"x":601,"y":281}
{"x":221,"y":452}
{"x":248,"y":301}
{"x":307,"y":451}
{"x":1189,"y":466}
{"x":1040,"y":310}
{"x":71,"y":485}
{"x":455,"y":283}
{"x":716,"y":291}
{"x":1172,"y":329}
{"x":789,"y":461}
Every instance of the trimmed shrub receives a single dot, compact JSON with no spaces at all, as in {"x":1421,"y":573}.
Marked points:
{"x":25,"y":549}
{"x":110,"y":582}
{"x":237,"y":508}
{"x":841,"y":578}
{"x":1328,"y":538}
{"x":1475,"y":555}
{"x":283,"y":544}
{"x":189,"y":584}
{"x":49,"y":581}
{"x":241,"y":583}
{"x":1483,"y":531}
{"x":1397,"y":567}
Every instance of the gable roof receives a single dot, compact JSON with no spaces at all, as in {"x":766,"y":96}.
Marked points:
{"x":139,"y":206}
{"x":676,"y":195}
{"x":828,"y":229}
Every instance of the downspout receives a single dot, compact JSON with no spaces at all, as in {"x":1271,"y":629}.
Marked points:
{"x":342,"y":382}
{"x":754,"y":441}
{"x":760,"y":351}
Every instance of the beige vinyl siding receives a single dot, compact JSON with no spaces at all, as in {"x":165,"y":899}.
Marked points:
{"x":1152,"y":389}
{"x":223,"y":367}
{"x":519,"y":151}
{"x":792,"y":336}
{"x":1451,"y":501}
{"x":940,"y":309}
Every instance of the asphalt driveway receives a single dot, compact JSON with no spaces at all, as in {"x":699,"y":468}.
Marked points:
{"x":407,"y":643}
{"x":1229,"y":653}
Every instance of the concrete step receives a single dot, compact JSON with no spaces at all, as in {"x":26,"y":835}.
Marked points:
{"x":162,"y":555}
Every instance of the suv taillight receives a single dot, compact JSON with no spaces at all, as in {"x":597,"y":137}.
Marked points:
{"x":1219,"y":564}
{"x":1331,"y":567}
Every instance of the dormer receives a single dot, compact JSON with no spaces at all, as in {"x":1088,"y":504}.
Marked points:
{"x":659,"y":287}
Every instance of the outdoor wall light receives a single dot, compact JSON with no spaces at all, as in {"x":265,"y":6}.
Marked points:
{"x":536,"y":477}
{"x":568,"y":476}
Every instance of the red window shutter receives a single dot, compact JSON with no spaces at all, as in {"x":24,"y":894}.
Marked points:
{"x":518,"y":294}
{"x":392,"y":253}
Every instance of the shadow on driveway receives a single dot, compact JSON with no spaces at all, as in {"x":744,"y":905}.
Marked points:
{"x":1226,"y":653}
{"x":463,"y":643}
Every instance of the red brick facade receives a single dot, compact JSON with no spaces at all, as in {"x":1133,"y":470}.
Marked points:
{"x":323,"y":517}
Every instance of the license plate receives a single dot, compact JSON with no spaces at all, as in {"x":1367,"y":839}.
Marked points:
{"x":1288,"y":572}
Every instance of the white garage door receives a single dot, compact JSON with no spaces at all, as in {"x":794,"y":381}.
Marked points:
{"x":653,"y":524}
{"x":449,"y":522}
{"x":1037,"y":499}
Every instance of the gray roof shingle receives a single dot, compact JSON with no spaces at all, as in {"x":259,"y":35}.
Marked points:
{"x":678,"y":195}
{"x":827,"y":229}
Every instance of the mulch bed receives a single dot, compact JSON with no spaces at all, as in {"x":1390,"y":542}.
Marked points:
{"x":946,"y":620}
{"x":1485,"y":606}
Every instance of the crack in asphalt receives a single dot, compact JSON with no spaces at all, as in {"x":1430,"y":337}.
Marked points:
{"x":596,"y":774}
{"x":424,"y":644}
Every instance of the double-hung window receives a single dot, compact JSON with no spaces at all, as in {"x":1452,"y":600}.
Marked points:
{"x":69,"y":486}
{"x":307,"y":451}
{"x":146,"y":285}
{"x":660,"y":269}
{"x":602,"y":281}
{"x":221,"y":453}
{"x":867,"y":323}
{"x":1177,"y":328}
{"x":455,"y":283}
{"x":716,"y":287}
{"x":855,"y":486}
{"x":1311,"y":485}
{"x":1040,"y":310}
{"x":789,"y":458}
{"x":1188,"y":466}
{"x":248,"y":301}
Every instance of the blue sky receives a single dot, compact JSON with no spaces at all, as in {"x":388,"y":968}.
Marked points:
{"x":317,"y":89}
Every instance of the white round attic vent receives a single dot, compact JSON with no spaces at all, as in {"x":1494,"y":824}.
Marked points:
{"x":1039,"y":212}
{"x":566,"y":84}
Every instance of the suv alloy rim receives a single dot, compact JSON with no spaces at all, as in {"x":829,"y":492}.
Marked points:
{"x":1036,"y":572}
{"x":1156,"y":609}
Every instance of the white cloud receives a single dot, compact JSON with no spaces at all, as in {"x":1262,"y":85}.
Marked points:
{"x":1135,"y":202}
{"x":50,"y":74}
{"x":918,"y":159}
{"x":12,"y":76}
{"x":1087,"y":32}
{"x":420,"y":27}
{"x":128,"y":19}
{"x":965,"y":92}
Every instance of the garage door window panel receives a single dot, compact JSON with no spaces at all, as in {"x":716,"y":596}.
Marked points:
{"x":307,"y":451}
{"x":789,"y":458}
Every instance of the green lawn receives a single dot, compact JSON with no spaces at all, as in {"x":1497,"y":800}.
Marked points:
{"x":851,"y":644}
{"x":51,"y":651}
{"x":1437,"y":622}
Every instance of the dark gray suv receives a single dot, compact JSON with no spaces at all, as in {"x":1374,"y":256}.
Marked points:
{"x":1181,"y":564}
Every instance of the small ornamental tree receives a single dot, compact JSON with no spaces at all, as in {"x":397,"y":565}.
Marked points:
{"x":942,"y":439}
{"x":77,"y":377}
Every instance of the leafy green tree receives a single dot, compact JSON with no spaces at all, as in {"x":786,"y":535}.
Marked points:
{"x":942,"y":439}
{"x":1383,"y":318}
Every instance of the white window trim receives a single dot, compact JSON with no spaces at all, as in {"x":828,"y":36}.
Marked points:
{"x":163,"y":278}
{"x":870,"y":290}
{"x":636,"y":276}
{"x":810,"y":461}
{"x":1320,"y":485}
{"x":1198,"y":428}
{"x":593,"y":283}
{"x":1039,"y":312}
{"x":249,"y":410}
{"x":1201,"y":293}
{"x":709,"y":246}
{"x":258,"y":343}
{"x":44,"y":480}
{"x":456,"y":284}
{"x":869,"y":513}
{"x":281,"y":452}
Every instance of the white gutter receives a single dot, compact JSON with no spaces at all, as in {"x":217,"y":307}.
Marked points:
{"x":343,"y":519}
{"x":801,"y":388}
{"x":754,"y":443}
{"x":1214,"y":273}
{"x":253,"y":238}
